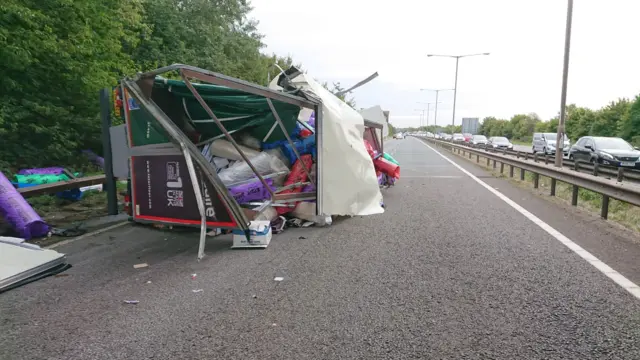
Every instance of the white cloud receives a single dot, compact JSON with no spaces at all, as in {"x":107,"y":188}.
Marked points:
{"x":348,"y":40}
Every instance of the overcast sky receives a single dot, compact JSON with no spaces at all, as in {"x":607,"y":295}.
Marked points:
{"x":347,"y":40}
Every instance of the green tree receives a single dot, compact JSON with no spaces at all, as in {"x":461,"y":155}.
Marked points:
{"x":56,"y":55}
{"x":337,"y":89}
{"x":630,"y":125}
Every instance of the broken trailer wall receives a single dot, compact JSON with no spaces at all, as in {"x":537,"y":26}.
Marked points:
{"x":208,"y":113}
{"x":348,"y":181}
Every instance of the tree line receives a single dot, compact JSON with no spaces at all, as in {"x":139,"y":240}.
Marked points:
{"x":619,"y":118}
{"x":57,"y":54}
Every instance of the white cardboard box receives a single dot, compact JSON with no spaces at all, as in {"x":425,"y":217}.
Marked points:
{"x":260,"y":235}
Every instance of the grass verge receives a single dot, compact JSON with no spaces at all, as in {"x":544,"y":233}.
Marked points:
{"x":620,"y":212}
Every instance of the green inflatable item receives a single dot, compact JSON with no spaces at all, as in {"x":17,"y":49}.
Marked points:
{"x":390,"y":158}
{"x":41,"y":179}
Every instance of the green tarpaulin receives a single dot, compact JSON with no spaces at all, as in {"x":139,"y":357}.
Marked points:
{"x":236,"y":109}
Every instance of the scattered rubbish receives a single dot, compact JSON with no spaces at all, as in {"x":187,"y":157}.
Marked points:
{"x":274,"y":324}
{"x":278,"y":278}
{"x":61,"y":275}
{"x":197,"y":290}
{"x":68,"y":232}
{"x":301,"y":238}
{"x":142,"y":265}
{"x":149,"y":282}
{"x":193,"y":276}
{"x":255,"y":296}
{"x":132,"y":302}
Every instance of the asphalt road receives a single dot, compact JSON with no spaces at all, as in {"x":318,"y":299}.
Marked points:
{"x":450,"y":271}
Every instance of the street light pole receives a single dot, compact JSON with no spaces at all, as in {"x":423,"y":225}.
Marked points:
{"x":455,"y":89}
{"x":429,"y":109}
{"x":435,"y":122}
{"x":565,"y":76}
{"x":455,"y":96}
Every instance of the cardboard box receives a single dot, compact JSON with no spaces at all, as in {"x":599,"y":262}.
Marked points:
{"x":260,"y":234}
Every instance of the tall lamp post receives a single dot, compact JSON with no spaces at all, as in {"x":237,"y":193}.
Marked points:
{"x":429,"y":110}
{"x":455,"y":87}
{"x":421,"y":116}
{"x":563,"y":97}
{"x":437,"y":92}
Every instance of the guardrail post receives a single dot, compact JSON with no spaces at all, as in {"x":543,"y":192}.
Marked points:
{"x":521,"y":174}
{"x":620,"y":174}
{"x":536,"y":180}
{"x":576,"y":165}
{"x":574,"y":195}
{"x":510,"y":170}
{"x":595,"y":169}
{"x":604,"y":211}
{"x":504,"y":151}
{"x":109,"y":179}
{"x":553,"y":187}
{"x":488,"y":161}
{"x":535,"y":157}
{"x":469,"y":154}
{"x":494,"y":164}
{"x":501,"y":168}
{"x":546,"y":159}
{"x":478,"y":158}
{"x":517,"y":154}
{"x":526,"y":156}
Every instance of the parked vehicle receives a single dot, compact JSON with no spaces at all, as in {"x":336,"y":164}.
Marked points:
{"x":610,"y":151}
{"x":467,"y":137}
{"x":499,"y":142}
{"x":479,"y":140}
{"x":457,"y":138}
{"x":546,"y":143}
{"x":398,"y":136}
{"x":447,"y":137}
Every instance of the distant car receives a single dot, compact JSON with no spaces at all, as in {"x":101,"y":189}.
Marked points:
{"x":398,"y":136}
{"x":479,"y":140}
{"x":447,"y":137}
{"x":467,"y":137}
{"x":499,"y":142}
{"x":457,"y":138}
{"x":546,"y":143}
{"x":610,"y":151}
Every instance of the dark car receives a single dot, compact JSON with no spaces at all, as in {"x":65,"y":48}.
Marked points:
{"x":610,"y":151}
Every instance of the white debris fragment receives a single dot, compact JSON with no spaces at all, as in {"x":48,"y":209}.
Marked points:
{"x":139,"y":266}
{"x":197,"y":290}
{"x":278,"y":278}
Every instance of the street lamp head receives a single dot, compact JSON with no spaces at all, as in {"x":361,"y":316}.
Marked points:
{"x":486,"y":53}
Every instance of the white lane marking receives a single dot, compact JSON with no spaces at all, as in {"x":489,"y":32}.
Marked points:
{"x":65,"y":242}
{"x":618,"y":278}
{"x":431,"y":176}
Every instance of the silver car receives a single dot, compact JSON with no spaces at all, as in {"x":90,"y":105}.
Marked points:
{"x":479,"y":140}
{"x":546,"y":143}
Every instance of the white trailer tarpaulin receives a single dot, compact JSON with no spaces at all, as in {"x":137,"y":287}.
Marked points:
{"x":349,"y":181}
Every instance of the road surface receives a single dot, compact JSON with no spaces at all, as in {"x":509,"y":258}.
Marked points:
{"x":450,"y":271}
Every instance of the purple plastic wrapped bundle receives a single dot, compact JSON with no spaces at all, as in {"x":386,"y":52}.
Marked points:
{"x":309,"y":188}
{"x":253,"y":191}
{"x":56,"y":170}
{"x":312,"y":120}
{"x":94,"y":158}
{"x":17,"y":212}
{"x":381,"y":179}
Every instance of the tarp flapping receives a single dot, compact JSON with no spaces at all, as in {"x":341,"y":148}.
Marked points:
{"x":350,"y":184}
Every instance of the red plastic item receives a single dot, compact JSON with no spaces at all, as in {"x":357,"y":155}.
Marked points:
{"x":296,"y":175}
{"x":305,"y":133}
{"x":387,"y":167}
{"x":370,"y":150}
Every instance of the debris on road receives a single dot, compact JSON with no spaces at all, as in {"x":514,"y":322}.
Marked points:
{"x":278,"y":278}
{"x":140,"y":266}
{"x":197,"y":290}
{"x":131,"y":302}
{"x":193,"y":276}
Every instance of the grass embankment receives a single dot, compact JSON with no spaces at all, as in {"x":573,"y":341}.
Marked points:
{"x":620,"y":212}
{"x":57,"y":212}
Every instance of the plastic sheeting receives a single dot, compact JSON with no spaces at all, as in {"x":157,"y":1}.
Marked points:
{"x":349,"y":181}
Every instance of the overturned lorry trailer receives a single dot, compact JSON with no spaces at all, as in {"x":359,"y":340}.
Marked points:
{"x":171,"y":123}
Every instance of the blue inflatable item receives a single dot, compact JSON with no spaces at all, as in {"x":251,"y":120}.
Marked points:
{"x":304,"y":146}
